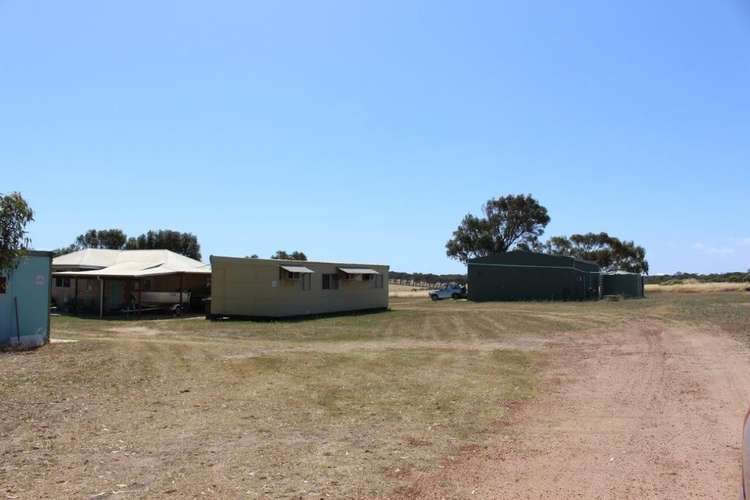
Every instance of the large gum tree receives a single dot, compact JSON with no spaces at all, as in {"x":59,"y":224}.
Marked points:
{"x":508,"y":222}
{"x":15,"y":215}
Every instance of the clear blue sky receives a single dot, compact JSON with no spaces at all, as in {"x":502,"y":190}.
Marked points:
{"x":364,"y":131}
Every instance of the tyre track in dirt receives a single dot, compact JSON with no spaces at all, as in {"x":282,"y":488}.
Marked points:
{"x":648,"y":410}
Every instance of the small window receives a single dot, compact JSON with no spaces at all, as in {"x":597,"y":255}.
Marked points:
{"x":366,"y":277}
{"x":66,"y":282}
{"x":330,"y":282}
{"x":3,"y":285}
{"x":147,"y":284}
{"x":288,"y":275}
{"x":58,"y":282}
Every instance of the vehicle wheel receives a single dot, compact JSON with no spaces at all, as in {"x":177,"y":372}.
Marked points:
{"x":178,"y":311}
{"x":434,"y":297}
{"x":455,"y":296}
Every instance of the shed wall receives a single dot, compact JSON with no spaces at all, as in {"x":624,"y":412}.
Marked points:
{"x":627,"y":285}
{"x":488,"y":282}
{"x":29,"y":285}
{"x":532,"y":276}
{"x":255,"y":288}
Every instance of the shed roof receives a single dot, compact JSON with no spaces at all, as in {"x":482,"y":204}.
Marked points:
{"x":312,"y":263}
{"x":518,"y":258}
{"x":126,"y":263}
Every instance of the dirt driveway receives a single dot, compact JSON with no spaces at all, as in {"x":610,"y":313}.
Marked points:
{"x":647,"y":411}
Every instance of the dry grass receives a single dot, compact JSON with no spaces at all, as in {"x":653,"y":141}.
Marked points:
{"x":338,"y":407}
{"x":694,"y":286}
{"x":403,"y":291}
{"x":331,"y":407}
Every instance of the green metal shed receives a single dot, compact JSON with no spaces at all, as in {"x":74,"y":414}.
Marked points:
{"x":629,"y":285}
{"x":532,"y":276}
{"x":25,"y":300}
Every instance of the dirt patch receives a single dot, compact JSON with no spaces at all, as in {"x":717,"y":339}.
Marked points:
{"x":642,"y":412}
{"x":432,"y":398}
{"x":520,"y":343}
{"x":140,"y":331}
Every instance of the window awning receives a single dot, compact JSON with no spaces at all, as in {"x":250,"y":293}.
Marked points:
{"x":353,"y":270}
{"x":297,"y":269}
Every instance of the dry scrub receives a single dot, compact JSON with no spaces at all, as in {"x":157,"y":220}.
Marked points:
{"x":403,"y":291}
{"x":694,"y":286}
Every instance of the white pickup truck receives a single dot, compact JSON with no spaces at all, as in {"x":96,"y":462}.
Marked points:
{"x":451,"y":291}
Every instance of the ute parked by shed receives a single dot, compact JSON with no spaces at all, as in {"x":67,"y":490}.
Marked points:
{"x":451,"y":291}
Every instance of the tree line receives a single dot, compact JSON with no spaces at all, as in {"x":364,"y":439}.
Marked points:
{"x":428,"y":277}
{"x":679,"y":278}
{"x":115,"y":239}
{"x":517,"y":222}
{"x":284,"y":255}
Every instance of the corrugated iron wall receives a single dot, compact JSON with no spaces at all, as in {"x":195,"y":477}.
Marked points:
{"x":629,"y":285}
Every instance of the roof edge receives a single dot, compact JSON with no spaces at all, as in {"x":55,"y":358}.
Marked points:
{"x":38,"y":253}
{"x":293,"y":262}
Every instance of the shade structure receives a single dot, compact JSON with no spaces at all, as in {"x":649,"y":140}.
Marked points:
{"x":125,"y":264}
{"x":297,"y":269}
{"x":357,"y":270}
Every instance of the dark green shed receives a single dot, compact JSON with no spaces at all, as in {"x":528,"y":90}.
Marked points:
{"x":532,"y":276}
{"x":629,"y":285}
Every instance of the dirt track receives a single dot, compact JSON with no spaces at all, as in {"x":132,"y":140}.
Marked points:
{"x":644,"y":412}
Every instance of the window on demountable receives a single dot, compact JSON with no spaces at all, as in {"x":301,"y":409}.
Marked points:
{"x":330,"y":282}
{"x":306,"y":281}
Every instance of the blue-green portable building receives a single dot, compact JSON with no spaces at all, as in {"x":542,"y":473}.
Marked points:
{"x":25,"y":301}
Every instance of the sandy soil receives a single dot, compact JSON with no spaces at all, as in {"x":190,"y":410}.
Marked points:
{"x":644,"y":412}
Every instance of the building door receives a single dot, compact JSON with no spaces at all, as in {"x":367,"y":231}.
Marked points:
{"x":115,"y":295}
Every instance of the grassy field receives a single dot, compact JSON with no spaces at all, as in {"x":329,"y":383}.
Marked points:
{"x":694,"y":286}
{"x":403,"y":291}
{"x":341,"y":406}
{"x":689,"y":286}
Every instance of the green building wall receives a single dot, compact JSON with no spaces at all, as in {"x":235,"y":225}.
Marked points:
{"x":24,"y":302}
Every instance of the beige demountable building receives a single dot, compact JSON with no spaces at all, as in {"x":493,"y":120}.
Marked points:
{"x":263,"y":288}
{"x":101,"y":281}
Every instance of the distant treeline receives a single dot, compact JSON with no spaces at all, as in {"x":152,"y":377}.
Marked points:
{"x":427,"y":278}
{"x":679,"y":278}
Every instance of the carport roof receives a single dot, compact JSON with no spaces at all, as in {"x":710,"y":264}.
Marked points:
{"x":127,"y":263}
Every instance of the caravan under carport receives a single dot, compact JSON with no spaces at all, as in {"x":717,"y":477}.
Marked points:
{"x":106,"y":281}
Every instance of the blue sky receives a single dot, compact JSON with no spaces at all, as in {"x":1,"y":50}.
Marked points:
{"x":364,"y":131}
